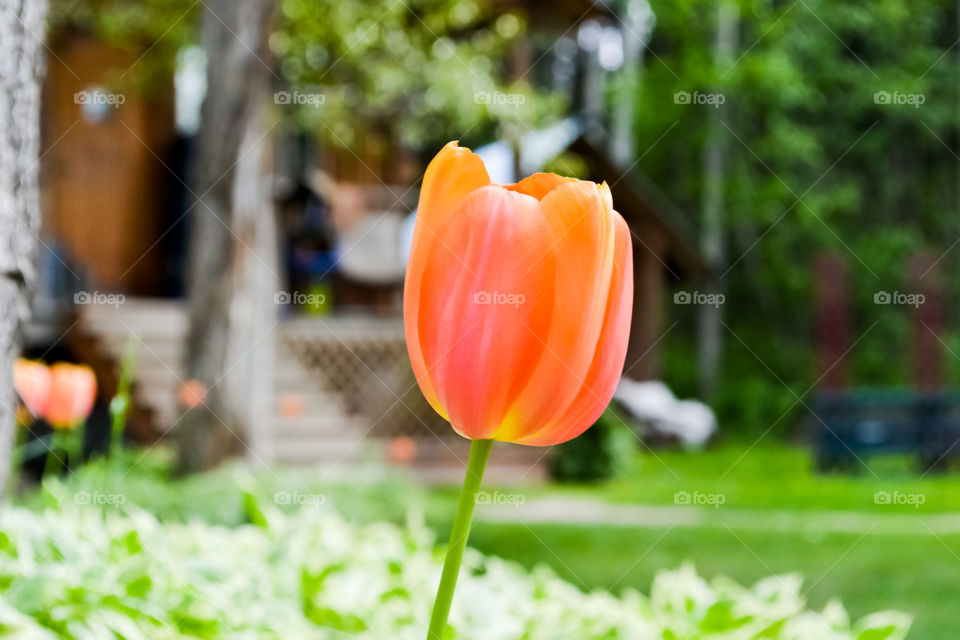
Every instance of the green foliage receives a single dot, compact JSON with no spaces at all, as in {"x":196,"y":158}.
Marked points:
{"x":413,"y":74}
{"x":815,"y":163}
{"x":102,"y":570}
{"x":377,"y":76}
{"x":603,"y":451}
{"x":146,"y":479}
{"x":151,"y":32}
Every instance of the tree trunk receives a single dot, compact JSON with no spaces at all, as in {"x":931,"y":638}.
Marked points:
{"x":231,"y":213}
{"x":636,"y":25}
{"x":710,"y":317}
{"x":22,"y":24}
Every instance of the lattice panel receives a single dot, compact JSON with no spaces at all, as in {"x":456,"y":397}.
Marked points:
{"x":365,"y":361}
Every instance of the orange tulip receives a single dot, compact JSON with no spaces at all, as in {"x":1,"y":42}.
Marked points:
{"x":192,"y":394}
{"x":402,"y":450}
{"x":73,"y":391}
{"x":517,"y":301}
{"x":31,"y":379}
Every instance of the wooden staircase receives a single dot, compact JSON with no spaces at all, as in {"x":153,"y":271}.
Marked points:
{"x":308,"y":422}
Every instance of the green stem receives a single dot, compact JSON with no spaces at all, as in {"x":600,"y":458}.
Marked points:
{"x":120,"y":405}
{"x":479,"y":452}
{"x":76,"y":444}
{"x":52,"y":458}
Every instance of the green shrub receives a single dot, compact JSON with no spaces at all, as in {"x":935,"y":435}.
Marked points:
{"x":86,"y":571}
{"x":603,"y":451}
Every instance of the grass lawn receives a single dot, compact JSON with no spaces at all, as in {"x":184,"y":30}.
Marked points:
{"x":867,"y":571}
{"x":777,"y":476}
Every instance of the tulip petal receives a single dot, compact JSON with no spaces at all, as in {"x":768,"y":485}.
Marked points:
{"x":32,"y":381}
{"x":611,"y":351}
{"x":539,"y":184}
{"x":583,"y":233}
{"x":482,"y":313}
{"x":453,"y":174}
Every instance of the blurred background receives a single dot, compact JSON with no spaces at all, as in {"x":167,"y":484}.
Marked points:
{"x":215,"y":213}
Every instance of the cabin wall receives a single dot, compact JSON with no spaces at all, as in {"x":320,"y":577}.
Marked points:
{"x":649,"y":300}
{"x":104,"y":182}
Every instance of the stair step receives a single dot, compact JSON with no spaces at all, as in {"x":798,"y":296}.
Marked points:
{"x":133,"y":306}
{"x":306,"y":423}
{"x":319,"y":451}
{"x":322,"y":425}
{"x":156,"y":398}
{"x":157,"y":377}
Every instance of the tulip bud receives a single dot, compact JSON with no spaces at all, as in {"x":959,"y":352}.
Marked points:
{"x":517,"y":301}
{"x":73,"y":391}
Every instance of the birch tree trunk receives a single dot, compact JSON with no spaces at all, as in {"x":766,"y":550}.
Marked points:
{"x":22,"y":25}
{"x":220,"y":341}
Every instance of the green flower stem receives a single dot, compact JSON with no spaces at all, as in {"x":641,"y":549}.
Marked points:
{"x":479,"y":453}
{"x":76,"y":444}
{"x":120,"y":405}
{"x":52,"y":459}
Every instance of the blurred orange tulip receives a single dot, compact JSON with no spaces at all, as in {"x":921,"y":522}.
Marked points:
{"x":31,"y":379}
{"x":73,"y":391}
{"x":402,"y":450}
{"x":517,"y":301}
{"x":192,"y":394}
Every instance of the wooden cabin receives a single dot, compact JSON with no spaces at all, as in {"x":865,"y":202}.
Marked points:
{"x":341,"y":388}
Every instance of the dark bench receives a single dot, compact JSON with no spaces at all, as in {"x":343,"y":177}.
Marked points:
{"x":866,"y":422}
